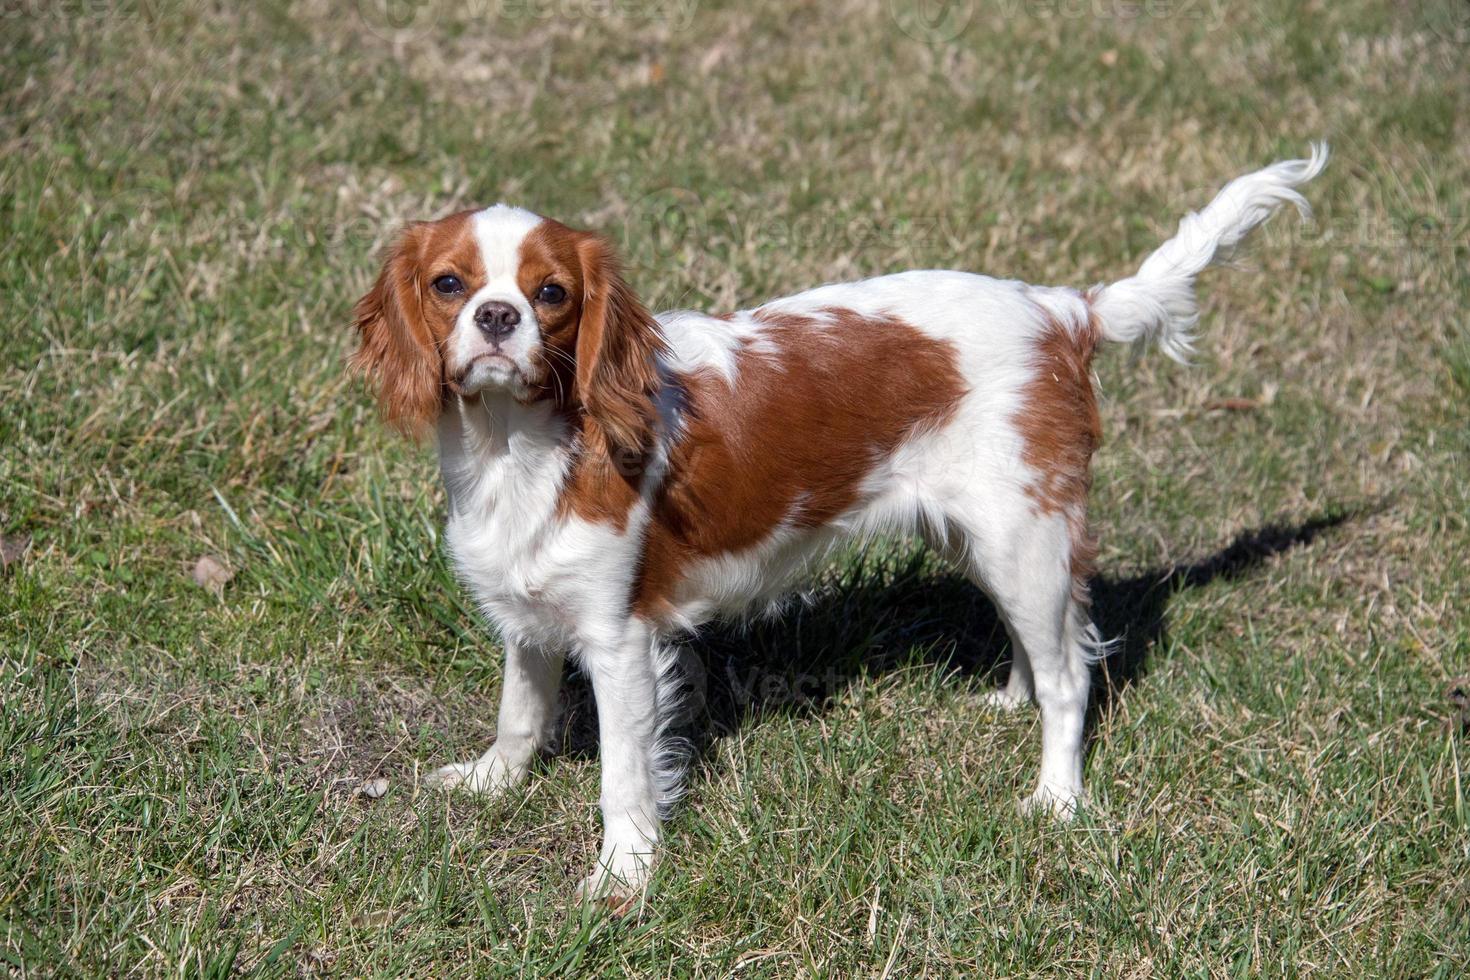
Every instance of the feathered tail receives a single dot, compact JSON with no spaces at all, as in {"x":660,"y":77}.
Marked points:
{"x":1157,"y":304}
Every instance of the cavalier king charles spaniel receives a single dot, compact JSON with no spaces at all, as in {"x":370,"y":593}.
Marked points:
{"x":615,"y":478}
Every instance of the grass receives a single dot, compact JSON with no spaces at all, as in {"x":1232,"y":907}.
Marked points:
{"x":194,"y":193}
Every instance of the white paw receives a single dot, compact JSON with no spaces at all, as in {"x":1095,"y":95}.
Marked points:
{"x":1060,"y":803}
{"x":490,"y":774}
{"x":618,"y":881}
{"x":1004,"y":700}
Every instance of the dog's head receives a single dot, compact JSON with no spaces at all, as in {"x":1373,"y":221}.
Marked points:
{"x":503,"y":300}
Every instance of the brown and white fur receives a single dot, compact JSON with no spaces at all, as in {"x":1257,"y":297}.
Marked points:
{"x":615,"y":479}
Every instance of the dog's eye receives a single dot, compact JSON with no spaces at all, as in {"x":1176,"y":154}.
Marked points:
{"x":551,"y":294}
{"x":448,"y":285}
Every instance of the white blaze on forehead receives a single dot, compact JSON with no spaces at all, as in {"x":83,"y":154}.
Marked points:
{"x":499,"y":231}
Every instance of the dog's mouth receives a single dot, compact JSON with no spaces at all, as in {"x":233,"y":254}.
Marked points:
{"x":491,"y":369}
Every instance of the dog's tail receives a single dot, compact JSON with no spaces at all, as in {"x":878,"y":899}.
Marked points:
{"x":1157,"y":304}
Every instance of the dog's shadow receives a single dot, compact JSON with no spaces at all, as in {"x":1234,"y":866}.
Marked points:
{"x":886,"y":610}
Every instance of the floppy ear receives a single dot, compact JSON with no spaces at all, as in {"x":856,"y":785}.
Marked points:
{"x":396,"y":350}
{"x":618,"y":343}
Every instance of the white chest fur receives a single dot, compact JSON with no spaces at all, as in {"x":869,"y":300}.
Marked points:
{"x":541,"y":576}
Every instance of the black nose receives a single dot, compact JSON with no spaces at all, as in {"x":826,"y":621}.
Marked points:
{"x":497,"y":320}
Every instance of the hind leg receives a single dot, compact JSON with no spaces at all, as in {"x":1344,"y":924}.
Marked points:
{"x":963,"y":549}
{"x":1020,"y":688}
{"x":1062,"y":678}
{"x":1026,"y":566}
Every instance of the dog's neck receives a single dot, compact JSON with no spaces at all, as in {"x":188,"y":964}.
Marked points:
{"x":496,"y":453}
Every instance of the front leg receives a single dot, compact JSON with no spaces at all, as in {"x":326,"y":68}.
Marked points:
{"x":527,"y":709}
{"x":624,"y":683}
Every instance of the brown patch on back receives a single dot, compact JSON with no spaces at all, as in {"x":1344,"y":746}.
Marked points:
{"x":1061,"y":430}
{"x":792,"y":441}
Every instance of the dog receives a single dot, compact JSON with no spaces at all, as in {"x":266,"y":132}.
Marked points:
{"x":615,"y":478}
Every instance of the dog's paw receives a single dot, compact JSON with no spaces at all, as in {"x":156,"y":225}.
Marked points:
{"x":1059,"y":803}
{"x":613,"y":895}
{"x":619,"y":885}
{"x":489,"y":774}
{"x":1004,"y":700}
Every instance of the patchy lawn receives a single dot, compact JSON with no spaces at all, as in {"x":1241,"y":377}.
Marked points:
{"x":194,"y":193}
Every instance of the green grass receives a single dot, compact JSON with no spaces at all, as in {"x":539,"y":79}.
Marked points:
{"x":193,"y":195}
